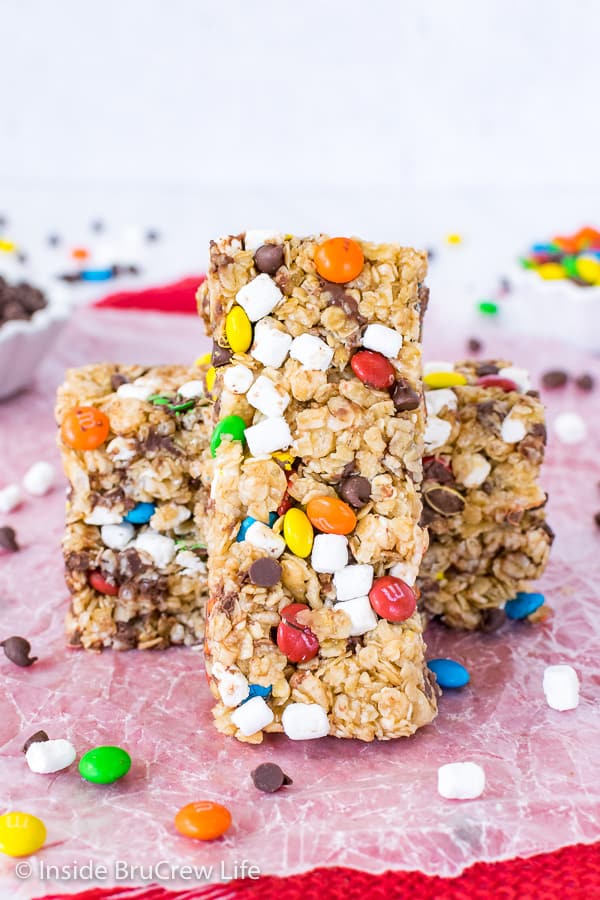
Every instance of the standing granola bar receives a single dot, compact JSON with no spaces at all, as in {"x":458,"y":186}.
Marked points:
{"x":313,"y":532}
{"x":132,"y":440}
{"x":483,"y":504}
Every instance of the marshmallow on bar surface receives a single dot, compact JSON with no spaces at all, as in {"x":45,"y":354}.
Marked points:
{"x":271,"y":345}
{"x":252,"y":716}
{"x":268,"y":436}
{"x":305,"y":721}
{"x":259,"y":297}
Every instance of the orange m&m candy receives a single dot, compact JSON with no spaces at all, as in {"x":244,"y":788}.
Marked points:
{"x":331,"y":515}
{"x":84,"y":428}
{"x":339,"y":260}
{"x":203,"y":821}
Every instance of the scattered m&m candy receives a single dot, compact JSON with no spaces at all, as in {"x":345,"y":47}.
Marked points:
{"x":21,"y":834}
{"x":331,"y":515}
{"x":449,"y":673}
{"x":392,"y":599}
{"x":505,"y":384}
{"x":203,"y":821}
{"x":84,"y":428}
{"x":523,"y":605}
{"x":373,"y":369}
{"x":444,"y":379}
{"x":141,"y":513}
{"x":98,"y":582}
{"x":295,"y":640}
{"x":238,"y":330}
{"x":339,"y":260}
{"x":298,"y":532}
{"x":232,"y":427}
{"x":104,"y":765}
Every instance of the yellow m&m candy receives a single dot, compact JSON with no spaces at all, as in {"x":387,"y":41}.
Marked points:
{"x":21,"y":834}
{"x":211,"y":374}
{"x":298,"y":532}
{"x":238,"y":330}
{"x":444,"y":379}
{"x":203,"y":360}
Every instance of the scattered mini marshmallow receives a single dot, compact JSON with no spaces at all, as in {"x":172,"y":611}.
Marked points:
{"x":252,"y":716}
{"x":437,"y":432}
{"x":238,"y":379}
{"x":268,"y":436}
{"x":479,"y":469}
{"x":360,"y":613}
{"x":122,"y":450}
{"x":259,"y":297}
{"x":520,"y":377}
{"x":158,"y":546}
{"x":10,"y":497}
{"x":189,"y":563}
{"x":312,"y":352}
{"x":406,"y":572}
{"x":136,"y":391}
{"x":263,"y":537}
{"x":38,"y":479}
{"x":233,"y":687}
{"x":442,"y":398}
{"x":45,"y":757}
{"x":383,"y":340}
{"x":256,"y":237}
{"x":117,"y":536}
{"x":191,"y":390}
{"x":305,"y":721}
{"x":461,"y":781}
{"x":267,"y":397}
{"x":570,"y":428}
{"x":329,"y":553}
{"x":353,"y":581}
{"x":437,"y":365}
{"x":271,"y":345}
{"x":513,"y":430}
{"x":102,"y":515}
{"x":561,"y":687}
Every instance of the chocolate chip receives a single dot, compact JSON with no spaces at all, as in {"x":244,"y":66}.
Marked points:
{"x":13,"y":310}
{"x":404,"y":396}
{"x":265,"y":572}
{"x":8,"y":539}
{"x":486,"y":369}
{"x":435,"y":470}
{"x":444,"y":500}
{"x":555,"y":378}
{"x":474,"y":345}
{"x":117,"y":380}
{"x":38,"y":738}
{"x":220,"y":355}
{"x":269,"y":258}
{"x":268,"y":777}
{"x":344,"y":301}
{"x":585,"y":382}
{"x":17,"y":649}
{"x":597,"y":519}
{"x":356,"y":490}
{"x":492,"y":619}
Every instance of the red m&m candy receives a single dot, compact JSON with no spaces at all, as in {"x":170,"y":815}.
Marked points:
{"x":97,"y":581}
{"x":506,"y":384}
{"x":373,"y":369}
{"x":392,"y":599}
{"x":295,"y":640}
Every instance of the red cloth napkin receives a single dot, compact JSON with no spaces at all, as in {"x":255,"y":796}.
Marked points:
{"x":179,"y":297}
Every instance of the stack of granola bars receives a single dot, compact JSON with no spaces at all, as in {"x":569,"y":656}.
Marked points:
{"x":287,"y":494}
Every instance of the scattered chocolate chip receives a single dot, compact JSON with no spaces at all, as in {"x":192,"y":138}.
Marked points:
{"x":356,"y":490}
{"x":8,"y":539}
{"x":220,"y":355}
{"x":70,"y":277}
{"x":269,"y":258}
{"x":268,"y":777}
{"x":38,"y":738}
{"x":474,"y":345}
{"x":435,"y":470}
{"x":535,"y":394}
{"x":17,"y":649}
{"x":343,"y":300}
{"x":404,"y":396}
{"x":492,"y":619}
{"x":486,"y":369}
{"x":597,"y":519}
{"x":555,"y":378}
{"x":13,"y":310}
{"x":585,"y":382}
{"x":444,"y":500}
{"x":265,"y":572}
{"x":117,"y":380}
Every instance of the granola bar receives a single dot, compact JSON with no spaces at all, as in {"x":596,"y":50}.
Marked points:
{"x":132,"y":440}
{"x":313,"y":534}
{"x":483,"y":504}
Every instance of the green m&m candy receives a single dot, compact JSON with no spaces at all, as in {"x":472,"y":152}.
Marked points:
{"x":232,"y":427}
{"x":103,"y":765}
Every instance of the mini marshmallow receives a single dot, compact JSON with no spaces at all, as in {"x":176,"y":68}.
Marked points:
{"x":513,"y":430}
{"x":158,"y":546}
{"x":39,"y":478}
{"x":312,"y":352}
{"x":190,"y":563}
{"x":121,"y":449}
{"x":519,"y":376}
{"x":406,"y":572}
{"x":353,"y":581}
{"x":238,"y":379}
{"x":271,"y":345}
{"x":263,"y":537}
{"x":256,"y":237}
{"x":442,"y":398}
{"x":233,"y":687}
{"x":191,"y":389}
{"x":437,"y":366}
{"x":252,"y":716}
{"x":267,"y":397}
{"x":461,"y":781}
{"x":10,"y":497}
{"x":570,"y":428}
{"x":135,"y":391}
{"x":479,"y":470}
{"x":102,"y":515}
{"x":259,"y":297}
{"x":360,"y":613}
{"x":268,"y":436}
{"x":117,"y":536}
{"x":45,"y":757}
{"x":383,"y":340}
{"x":561,"y":687}
{"x":437,"y":433}
{"x":329,"y":553}
{"x":305,"y":721}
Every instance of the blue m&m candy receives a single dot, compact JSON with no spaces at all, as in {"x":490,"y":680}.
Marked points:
{"x":141,"y":513}
{"x":523,"y":605}
{"x":257,"y":690}
{"x":449,"y":673}
{"x":250,"y":520}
